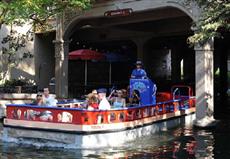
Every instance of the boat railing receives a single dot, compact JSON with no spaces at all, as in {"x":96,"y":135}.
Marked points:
{"x":174,"y":92}
{"x":81,"y":116}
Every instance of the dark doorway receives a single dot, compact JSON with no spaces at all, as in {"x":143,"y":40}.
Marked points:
{"x":169,"y":61}
{"x":222,"y":78}
{"x":44,"y":52}
{"x":112,"y":71}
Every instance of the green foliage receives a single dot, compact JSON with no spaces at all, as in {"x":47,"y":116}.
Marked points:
{"x":214,"y":21}
{"x":39,"y":11}
{"x":14,"y":82}
{"x":17,"y":82}
{"x":17,"y":12}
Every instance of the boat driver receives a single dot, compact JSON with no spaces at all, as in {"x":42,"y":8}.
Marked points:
{"x":139,"y":72}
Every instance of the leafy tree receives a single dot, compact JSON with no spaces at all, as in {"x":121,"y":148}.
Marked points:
{"x":37,"y":12}
{"x":213,"y":22}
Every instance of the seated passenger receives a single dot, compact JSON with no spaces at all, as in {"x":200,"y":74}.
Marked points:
{"x":39,"y":100}
{"x":92,"y":102}
{"x":48,"y":99}
{"x":118,"y":101}
{"x":125,"y":95}
{"x":103,"y":102}
{"x":135,"y":97}
{"x":94,"y":92}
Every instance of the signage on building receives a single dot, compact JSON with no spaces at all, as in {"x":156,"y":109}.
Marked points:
{"x":118,"y":12}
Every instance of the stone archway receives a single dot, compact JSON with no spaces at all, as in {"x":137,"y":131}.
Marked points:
{"x":204,"y":54}
{"x":98,"y":10}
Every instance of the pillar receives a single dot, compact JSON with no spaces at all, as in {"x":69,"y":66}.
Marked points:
{"x":65,"y":70}
{"x":140,"y":49}
{"x":175,"y":63}
{"x":140,"y":42}
{"x":204,"y":84}
{"x":61,"y":70}
{"x":61,"y":61}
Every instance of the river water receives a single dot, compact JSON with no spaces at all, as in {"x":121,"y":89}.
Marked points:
{"x":181,"y":142}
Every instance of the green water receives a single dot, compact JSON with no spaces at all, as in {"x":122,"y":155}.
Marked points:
{"x":181,"y":142}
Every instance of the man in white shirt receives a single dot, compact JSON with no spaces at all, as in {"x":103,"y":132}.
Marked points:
{"x":48,"y":99}
{"x":103,"y":104}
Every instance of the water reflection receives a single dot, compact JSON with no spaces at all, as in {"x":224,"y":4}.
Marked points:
{"x":181,"y":142}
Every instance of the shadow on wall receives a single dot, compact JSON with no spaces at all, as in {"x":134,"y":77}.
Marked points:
{"x":44,"y":54}
{"x":16,"y":58}
{"x":21,"y":74}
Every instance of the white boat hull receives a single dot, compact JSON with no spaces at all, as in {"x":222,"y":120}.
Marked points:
{"x":108,"y":139}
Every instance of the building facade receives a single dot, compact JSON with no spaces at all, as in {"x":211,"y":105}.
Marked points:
{"x":155,"y":32}
{"x":169,"y":21}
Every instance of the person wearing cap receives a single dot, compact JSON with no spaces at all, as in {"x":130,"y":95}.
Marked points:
{"x":138,"y":72}
{"x":103,"y":102}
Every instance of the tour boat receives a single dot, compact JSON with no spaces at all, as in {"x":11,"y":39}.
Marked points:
{"x":82,"y":128}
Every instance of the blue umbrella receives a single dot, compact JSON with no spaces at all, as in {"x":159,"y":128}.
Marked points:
{"x":114,"y":57}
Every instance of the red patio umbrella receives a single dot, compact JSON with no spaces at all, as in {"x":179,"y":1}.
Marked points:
{"x":86,"y":54}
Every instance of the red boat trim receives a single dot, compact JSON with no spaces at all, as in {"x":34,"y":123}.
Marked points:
{"x":79,"y":129}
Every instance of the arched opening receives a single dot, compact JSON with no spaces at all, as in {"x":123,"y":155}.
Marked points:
{"x":169,"y":60}
{"x":157,"y":37}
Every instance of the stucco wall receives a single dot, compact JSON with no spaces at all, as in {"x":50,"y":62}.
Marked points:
{"x":24,"y":69}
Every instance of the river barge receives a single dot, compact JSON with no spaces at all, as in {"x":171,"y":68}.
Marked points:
{"x":69,"y":124}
